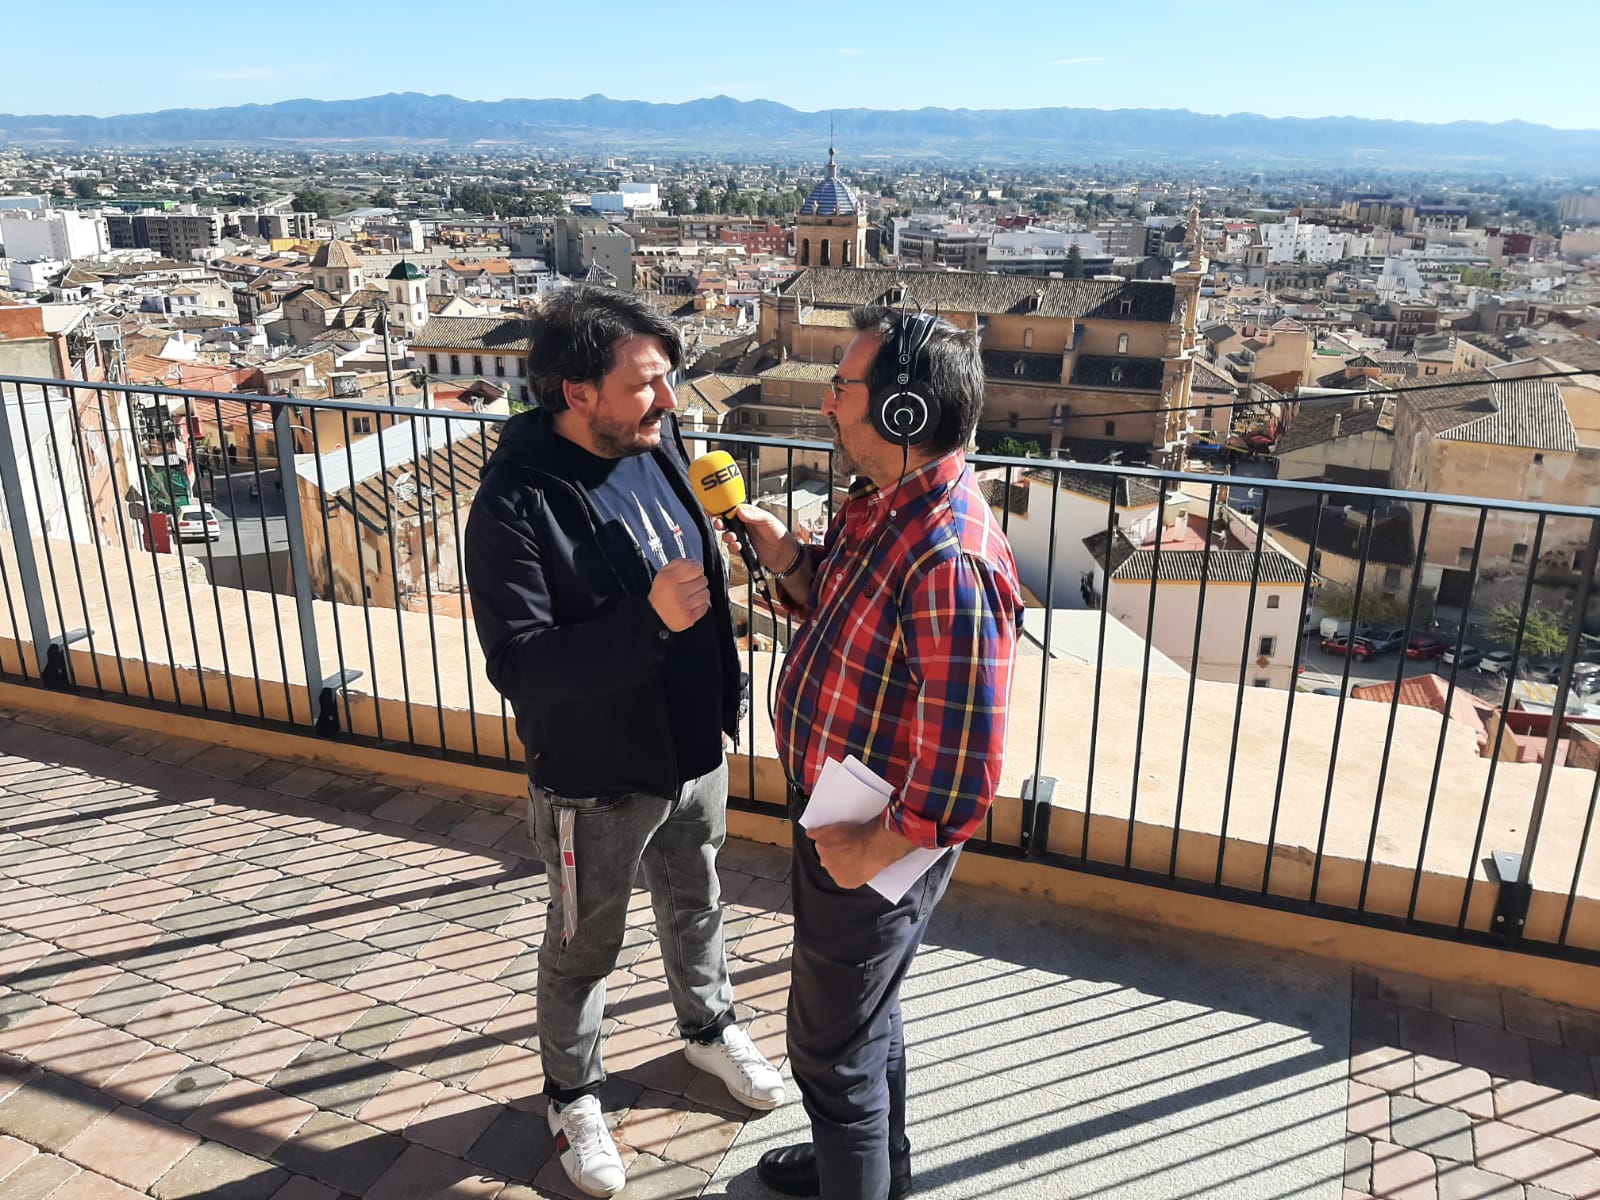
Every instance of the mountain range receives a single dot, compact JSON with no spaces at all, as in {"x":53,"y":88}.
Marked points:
{"x":403,"y":119}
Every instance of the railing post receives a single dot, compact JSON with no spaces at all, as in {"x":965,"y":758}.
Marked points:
{"x":319,"y":697}
{"x":1516,"y":872}
{"x":51,"y":658}
{"x":1038,"y":796}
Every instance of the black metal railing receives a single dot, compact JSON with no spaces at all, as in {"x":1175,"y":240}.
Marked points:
{"x":1166,"y":724}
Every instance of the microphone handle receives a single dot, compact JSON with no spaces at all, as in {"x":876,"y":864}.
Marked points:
{"x":752,"y":564}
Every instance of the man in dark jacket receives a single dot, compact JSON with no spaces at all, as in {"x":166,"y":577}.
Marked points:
{"x":600,"y":597}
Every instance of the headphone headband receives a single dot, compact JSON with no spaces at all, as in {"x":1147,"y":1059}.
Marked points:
{"x":905,"y":410}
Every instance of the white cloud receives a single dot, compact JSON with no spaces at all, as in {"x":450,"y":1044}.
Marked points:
{"x":1072,"y":62}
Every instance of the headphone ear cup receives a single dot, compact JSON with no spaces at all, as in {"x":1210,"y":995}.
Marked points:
{"x":903,"y":411}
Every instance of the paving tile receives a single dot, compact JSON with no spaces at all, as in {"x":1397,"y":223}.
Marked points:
{"x":249,"y":1117}
{"x":13,"y":1153}
{"x":1562,"y":1068}
{"x":1573,"y":1118}
{"x":185,"y":1092}
{"x":122,"y":1000}
{"x":405,"y":808}
{"x":1358,"y":1163}
{"x":140,"y":1080}
{"x":1561,"y":1166}
{"x":1423,"y":1031}
{"x":48,"y":1111}
{"x":1497,"y":1051}
{"x":201,"y":969}
{"x":331,"y":1078}
{"x":323,"y":956}
{"x":250,"y":986}
{"x":340,"y":1152}
{"x":1581,"y":1030}
{"x":1459,"y":1181}
{"x":461,"y":1059}
{"x":1433,"y":1129}
{"x":421,"y":1173}
{"x":1531,"y":1016}
{"x":452,"y":1121}
{"x":514,"y":1076}
{"x":402,"y":1097}
{"x":86,"y":1185}
{"x":456,"y":999}
{"x":261,"y":1053}
{"x":88,"y":1051}
{"x":387,"y":976}
{"x":484,"y":828}
{"x":131,"y":1147}
{"x":375,"y":1029}
{"x":301,"y":1187}
{"x":353,"y":795}
{"x":212,"y":1171}
{"x":405,"y":933}
{"x":1402,"y":1174}
{"x":1439,"y":1081}
{"x":314,"y":1007}
{"x":515,"y":1145}
{"x":41,"y":1176}
{"x":650,"y":1178}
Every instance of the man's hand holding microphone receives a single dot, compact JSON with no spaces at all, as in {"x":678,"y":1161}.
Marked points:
{"x":759,"y":537}
{"x":680,"y":594}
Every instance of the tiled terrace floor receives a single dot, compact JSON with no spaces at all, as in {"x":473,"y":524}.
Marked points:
{"x":222,"y":976}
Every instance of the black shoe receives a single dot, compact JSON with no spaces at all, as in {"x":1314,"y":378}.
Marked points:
{"x":792,"y":1170}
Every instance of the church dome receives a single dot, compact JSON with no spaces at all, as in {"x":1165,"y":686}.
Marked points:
{"x":405,"y":270}
{"x":832,"y":197}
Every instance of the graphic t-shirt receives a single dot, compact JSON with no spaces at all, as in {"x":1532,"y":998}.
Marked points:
{"x":639,"y":510}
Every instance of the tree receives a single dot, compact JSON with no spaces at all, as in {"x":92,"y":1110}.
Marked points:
{"x":312,"y":200}
{"x":704,"y":201}
{"x":1074,"y":262}
{"x":83,"y":189}
{"x":383,"y":198}
{"x":675,"y":200}
{"x":1544,"y":635}
{"x":1340,"y":602}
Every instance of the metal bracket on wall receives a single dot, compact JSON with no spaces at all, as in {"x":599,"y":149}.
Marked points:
{"x":1512,"y":900}
{"x":55,"y":673}
{"x":327,"y":723}
{"x":1038,"y":797}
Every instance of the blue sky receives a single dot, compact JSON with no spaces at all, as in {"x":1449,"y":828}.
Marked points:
{"x":1356,"y":59}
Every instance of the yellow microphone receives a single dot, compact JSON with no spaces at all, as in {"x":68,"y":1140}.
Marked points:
{"x":720,"y":489}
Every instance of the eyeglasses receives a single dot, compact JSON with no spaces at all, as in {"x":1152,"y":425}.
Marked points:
{"x":839,"y":382}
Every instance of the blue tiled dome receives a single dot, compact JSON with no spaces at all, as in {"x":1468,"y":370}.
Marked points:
{"x":832,"y":197}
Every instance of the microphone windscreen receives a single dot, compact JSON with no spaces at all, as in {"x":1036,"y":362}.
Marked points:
{"x":716,"y":481}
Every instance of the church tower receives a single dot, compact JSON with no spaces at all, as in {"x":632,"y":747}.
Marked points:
{"x":408,"y":299}
{"x":831,"y":229}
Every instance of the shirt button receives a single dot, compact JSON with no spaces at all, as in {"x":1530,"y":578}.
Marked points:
{"x":664,"y":634}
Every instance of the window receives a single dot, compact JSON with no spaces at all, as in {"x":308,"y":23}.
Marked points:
{"x":1027,"y":339}
{"x":1430,"y":370}
{"x":1263,"y":681}
{"x":1577,"y":560}
{"x":1519,"y":552}
{"x":360,"y":424}
{"x":838,"y":355}
{"x":1269,"y":647}
{"x":455,"y":364}
{"x":1111,"y":429}
{"x":1538,"y":459}
{"x":522,"y":368}
{"x":499,"y":365}
{"x":477,"y":364}
{"x":1127,"y":307}
{"x":433,"y":364}
{"x":1013,"y":420}
{"x":1272,"y":601}
{"x":1018,"y":367}
{"x":1464,"y":556}
{"x":1122,"y":343}
{"x":1116,"y":374}
{"x":1391,"y":579}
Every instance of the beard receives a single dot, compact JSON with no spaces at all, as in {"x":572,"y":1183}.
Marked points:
{"x":617,"y":440}
{"x":843,"y":460}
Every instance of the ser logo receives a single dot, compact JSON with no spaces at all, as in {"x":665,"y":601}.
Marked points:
{"x":719,"y":477}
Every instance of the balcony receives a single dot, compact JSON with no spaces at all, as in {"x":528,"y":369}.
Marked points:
{"x":292,"y":805}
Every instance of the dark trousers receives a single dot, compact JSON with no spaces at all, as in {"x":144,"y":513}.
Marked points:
{"x":846,"y":1048}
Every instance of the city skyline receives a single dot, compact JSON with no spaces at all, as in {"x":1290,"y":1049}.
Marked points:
{"x":1038,"y":57}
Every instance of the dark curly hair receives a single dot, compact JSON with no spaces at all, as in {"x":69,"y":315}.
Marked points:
{"x":574,"y":334}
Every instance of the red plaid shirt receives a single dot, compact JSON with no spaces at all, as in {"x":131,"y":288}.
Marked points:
{"x":905,"y":656}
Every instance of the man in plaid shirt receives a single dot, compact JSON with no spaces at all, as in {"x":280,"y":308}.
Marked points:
{"x":910,"y":611}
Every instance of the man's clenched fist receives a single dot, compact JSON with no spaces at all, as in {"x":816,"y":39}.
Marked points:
{"x":680,"y":594}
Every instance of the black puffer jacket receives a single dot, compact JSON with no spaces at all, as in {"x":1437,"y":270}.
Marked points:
{"x":566,"y":624}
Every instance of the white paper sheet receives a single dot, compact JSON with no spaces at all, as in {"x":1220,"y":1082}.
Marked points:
{"x":852,"y":791}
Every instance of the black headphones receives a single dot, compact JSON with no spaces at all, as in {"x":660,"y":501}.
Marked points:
{"x":905,"y":411}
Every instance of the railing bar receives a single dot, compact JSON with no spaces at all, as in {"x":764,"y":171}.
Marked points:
{"x":79,"y":451}
{"x":1394,"y":707}
{"x":361,"y":573}
{"x":1194,"y":678}
{"x":126,"y":533}
{"x":1244,"y":671}
{"x":1301,"y":637}
{"x":1500,"y":733}
{"x":1099,"y":673}
{"x":16,"y":630}
{"x":1144,"y":673}
{"x":88,"y":516}
{"x":208,"y":507}
{"x":423,"y":464}
{"x":394,"y":575}
{"x":38,"y":496}
{"x":1030,"y":810}
{"x":1340,"y":708}
{"x":238,"y":550}
{"x":467,"y":636}
{"x":1578,"y":861}
{"x":266,"y":542}
{"x":1444,"y":717}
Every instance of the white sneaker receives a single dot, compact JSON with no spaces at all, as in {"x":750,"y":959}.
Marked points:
{"x":588,"y":1155}
{"x":743,"y":1069}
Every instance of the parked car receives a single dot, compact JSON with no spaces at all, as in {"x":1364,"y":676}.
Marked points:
{"x":1497,"y":662}
{"x":1384,"y":639}
{"x":1355,"y":647}
{"x":1425,"y":645}
{"x":1326,"y":692}
{"x":1468,"y":656}
{"x":198,"y":523}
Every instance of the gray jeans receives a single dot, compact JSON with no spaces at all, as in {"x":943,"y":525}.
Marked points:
{"x":676,"y":840}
